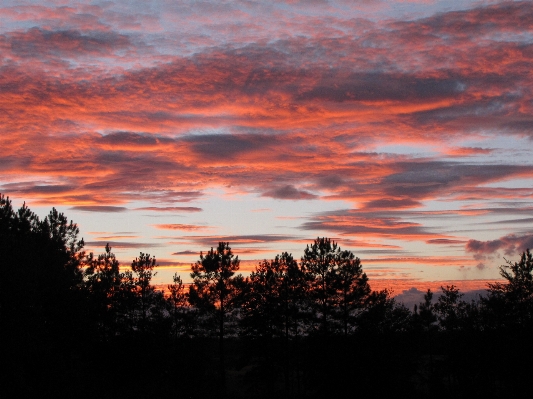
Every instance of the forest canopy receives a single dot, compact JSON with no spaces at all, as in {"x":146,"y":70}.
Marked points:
{"x":68,"y":317}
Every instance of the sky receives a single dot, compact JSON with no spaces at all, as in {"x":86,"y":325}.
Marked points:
{"x":402,"y":130}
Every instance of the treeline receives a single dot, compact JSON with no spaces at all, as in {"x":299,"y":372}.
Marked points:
{"x":78,"y":325}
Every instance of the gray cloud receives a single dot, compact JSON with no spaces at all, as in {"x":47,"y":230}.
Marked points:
{"x":121,"y":244}
{"x":129,"y":138}
{"x":510,"y":244}
{"x":382,"y":86}
{"x":422,"y":179}
{"x":37,"y":189}
{"x":176,"y":209}
{"x":99,"y":208}
{"x":444,"y":241}
{"x":224,"y":146}
{"x":37,"y":42}
{"x":392,"y":203}
{"x":484,"y":20}
{"x":212,"y":241}
{"x":513,"y":221}
{"x":289,"y":192}
{"x":186,"y":253}
{"x":356,"y":222}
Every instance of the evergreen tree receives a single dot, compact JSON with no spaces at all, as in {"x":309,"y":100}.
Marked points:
{"x":142,"y":269}
{"x":45,"y":257}
{"x":213,"y":291}
{"x":273,"y":298}
{"x":337,"y":285}
{"x":178,"y":300}
{"x":424,"y":314}
{"x":104,"y":284}
{"x":41,"y":301}
{"x":352,"y":289}
{"x":321,"y":268}
{"x":382,"y":314}
{"x":451,"y":311}
{"x":260,"y":300}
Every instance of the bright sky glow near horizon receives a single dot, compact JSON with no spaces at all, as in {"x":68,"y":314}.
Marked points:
{"x":402,"y":130}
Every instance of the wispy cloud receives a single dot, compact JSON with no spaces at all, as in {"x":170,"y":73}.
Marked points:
{"x":99,"y":208}
{"x":212,"y":241}
{"x":182,"y":227}
{"x":176,"y":209}
{"x":121,"y":244}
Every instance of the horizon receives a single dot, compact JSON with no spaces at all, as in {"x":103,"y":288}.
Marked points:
{"x":400,"y":130}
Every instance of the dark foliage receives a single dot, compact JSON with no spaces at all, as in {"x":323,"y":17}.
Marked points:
{"x":42,"y":312}
{"x":77,"y":325}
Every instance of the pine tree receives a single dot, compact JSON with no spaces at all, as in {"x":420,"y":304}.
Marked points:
{"x":104,"y":284}
{"x":450,"y":309}
{"x":213,"y":291}
{"x":142,"y":268}
{"x":41,"y":299}
{"x":352,"y":289}
{"x":177,"y":300}
{"x":320,"y":267}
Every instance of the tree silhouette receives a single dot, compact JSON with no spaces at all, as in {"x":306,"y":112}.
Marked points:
{"x":104,"y":283}
{"x":382,"y":314}
{"x":337,"y":285}
{"x":273,"y":298}
{"x":320,"y":266}
{"x":509,"y":304}
{"x":142,"y":268}
{"x":517,"y":292}
{"x":352,"y":288}
{"x":273,"y":302}
{"x":43,"y":256}
{"x":177,"y":300}
{"x":293,"y":294}
{"x":424,"y":313}
{"x":213,"y":291}
{"x":508,"y":317}
{"x":41,"y":302}
{"x":62,"y":313}
{"x":519,"y":278}
{"x":451,"y":311}
{"x":260,"y":300}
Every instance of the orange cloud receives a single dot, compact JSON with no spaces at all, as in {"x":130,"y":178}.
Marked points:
{"x":182,"y":227}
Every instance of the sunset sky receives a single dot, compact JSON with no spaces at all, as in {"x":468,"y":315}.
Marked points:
{"x":402,"y":130}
